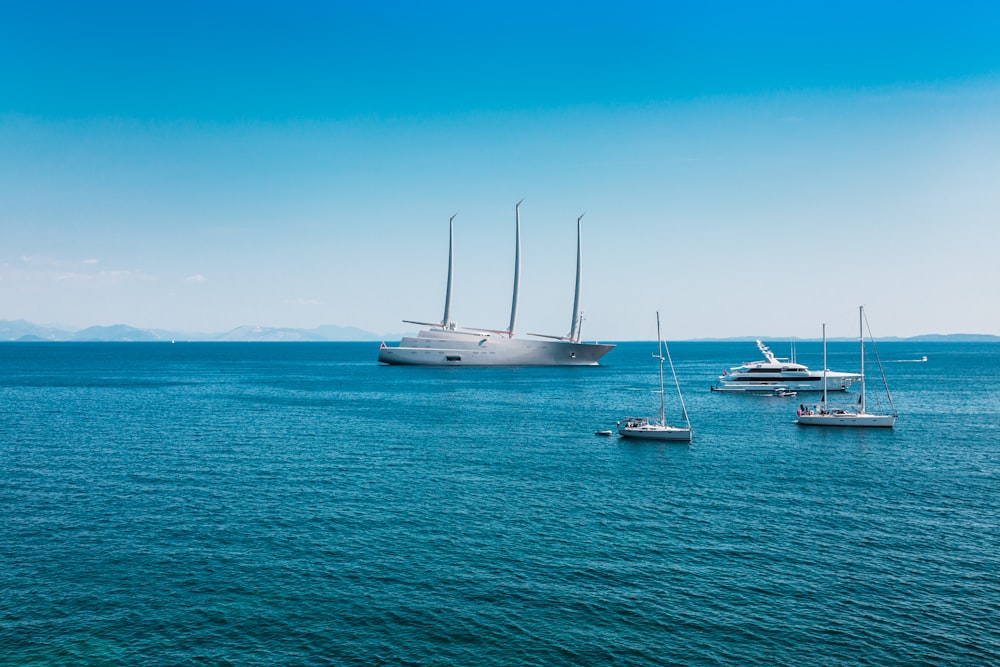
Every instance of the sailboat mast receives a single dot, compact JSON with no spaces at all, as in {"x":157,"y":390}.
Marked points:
{"x":446,"y":320}
{"x":861,"y":343}
{"x":574,"y":332}
{"x":517,"y":267}
{"x":659,"y":355}
{"x":824,"y":364}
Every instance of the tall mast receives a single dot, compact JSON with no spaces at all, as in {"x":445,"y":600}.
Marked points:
{"x":824,"y":365}
{"x":861,"y":342}
{"x":659,"y":355}
{"x":517,"y":267}
{"x":446,"y":320}
{"x":574,"y":332}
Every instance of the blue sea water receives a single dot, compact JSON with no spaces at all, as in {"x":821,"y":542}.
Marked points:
{"x":263,"y":504}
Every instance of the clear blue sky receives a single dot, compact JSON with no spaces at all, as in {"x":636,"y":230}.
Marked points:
{"x":746,"y":169}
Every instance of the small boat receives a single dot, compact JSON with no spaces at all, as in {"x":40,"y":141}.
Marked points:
{"x":783,"y":392}
{"x":773,"y":373}
{"x":912,"y":361}
{"x":605,"y":432}
{"x":644,"y":428}
{"x":848,"y":415}
{"x":762,"y":390}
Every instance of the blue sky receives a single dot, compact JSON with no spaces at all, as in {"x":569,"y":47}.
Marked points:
{"x":746,"y":170}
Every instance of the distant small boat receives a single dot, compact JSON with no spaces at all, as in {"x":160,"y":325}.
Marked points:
{"x":646,"y":429}
{"x":606,"y":432}
{"x":825,"y":415}
{"x":760,"y":390}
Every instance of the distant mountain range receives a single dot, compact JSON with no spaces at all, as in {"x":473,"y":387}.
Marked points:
{"x":20,"y":330}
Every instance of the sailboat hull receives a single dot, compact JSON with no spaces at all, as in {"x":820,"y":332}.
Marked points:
{"x":459,"y":348}
{"x":656,"y":432}
{"x":847,"y":419}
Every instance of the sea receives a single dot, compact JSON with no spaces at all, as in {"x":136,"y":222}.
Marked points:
{"x":299,"y":504}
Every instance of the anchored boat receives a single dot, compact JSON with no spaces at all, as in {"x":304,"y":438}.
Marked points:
{"x":444,"y":343}
{"x":848,"y":415}
{"x":644,"y":428}
{"x":772,"y":374}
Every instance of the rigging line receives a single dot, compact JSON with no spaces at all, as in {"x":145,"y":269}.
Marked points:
{"x":873,"y":397}
{"x":677,"y":384}
{"x":879,"y":361}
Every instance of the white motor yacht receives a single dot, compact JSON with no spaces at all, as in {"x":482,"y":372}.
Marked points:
{"x":773,"y":373}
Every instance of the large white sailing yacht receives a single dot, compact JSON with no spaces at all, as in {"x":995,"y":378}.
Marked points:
{"x":444,"y":343}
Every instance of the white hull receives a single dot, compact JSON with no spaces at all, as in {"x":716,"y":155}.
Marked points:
{"x":655,"y":432}
{"x":847,"y":419}
{"x":440,"y":347}
{"x":812,"y":381}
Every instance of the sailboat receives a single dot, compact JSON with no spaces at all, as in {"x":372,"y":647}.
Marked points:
{"x":843,"y":415}
{"x":643,"y":427}
{"x":444,"y":343}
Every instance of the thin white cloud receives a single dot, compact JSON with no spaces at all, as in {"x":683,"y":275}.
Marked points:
{"x":37,"y":260}
{"x":56,"y":262}
{"x":305,"y":302}
{"x":196,"y":279}
{"x":40,"y":270}
{"x":100,"y":278}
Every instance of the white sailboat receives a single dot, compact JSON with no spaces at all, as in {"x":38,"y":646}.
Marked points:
{"x":444,"y":343}
{"x":848,"y":415}
{"x":644,"y":428}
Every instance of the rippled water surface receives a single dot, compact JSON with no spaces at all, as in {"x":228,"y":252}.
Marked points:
{"x":260,"y":504}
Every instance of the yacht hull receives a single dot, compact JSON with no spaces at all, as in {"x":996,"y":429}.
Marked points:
{"x":453,"y":348}
{"x":812,"y":382}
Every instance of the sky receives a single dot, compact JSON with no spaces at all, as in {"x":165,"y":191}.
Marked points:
{"x":747,"y":169}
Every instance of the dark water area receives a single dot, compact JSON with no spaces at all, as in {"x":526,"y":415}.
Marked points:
{"x":261,"y":504}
